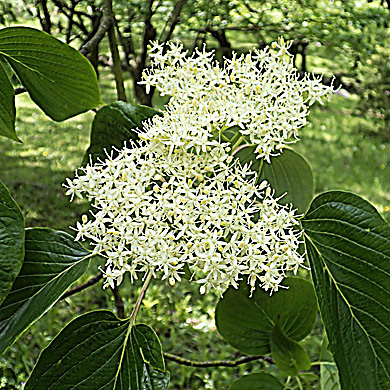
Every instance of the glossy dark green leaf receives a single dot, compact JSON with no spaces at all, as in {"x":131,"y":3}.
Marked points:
{"x":150,"y":346}
{"x":329,"y":373}
{"x":289,"y":173}
{"x":247,"y":323}
{"x":53,"y":261}
{"x":137,"y":113}
{"x":11,"y":241}
{"x":113,"y":125}
{"x":155,"y":379}
{"x":348,"y":246}
{"x":60,"y":80}
{"x":289,"y":356}
{"x":96,"y":351}
{"x":7,"y":106}
{"x":246,"y":154}
{"x":261,"y":381}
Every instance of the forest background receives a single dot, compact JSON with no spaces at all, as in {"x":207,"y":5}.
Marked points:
{"x":346,"y":142}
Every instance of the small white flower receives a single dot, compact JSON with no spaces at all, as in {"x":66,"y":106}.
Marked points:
{"x":200,"y":216}
{"x":178,"y":198}
{"x":261,"y":92}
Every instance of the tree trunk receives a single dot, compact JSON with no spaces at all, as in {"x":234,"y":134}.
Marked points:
{"x":70,"y":22}
{"x":304,"y":45}
{"x":46,"y":22}
{"x":224,"y":44}
{"x":149,"y":35}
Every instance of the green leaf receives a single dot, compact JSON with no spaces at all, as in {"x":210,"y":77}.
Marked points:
{"x":53,"y":261}
{"x":60,"y":80}
{"x":95,"y":351}
{"x":154,"y":379}
{"x":261,"y":381}
{"x":289,"y":356}
{"x":150,"y":346}
{"x":308,"y":376}
{"x":135,"y":112}
{"x":113,"y":125}
{"x":329,"y":373}
{"x":7,"y":106}
{"x":288,"y":173}
{"x":246,"y":154}
{"x":247,"y":323}
{"x":11,"y":241}
{"x":348,"y":246}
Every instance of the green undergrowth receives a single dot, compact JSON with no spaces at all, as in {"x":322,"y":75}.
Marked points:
{"x":337,"y":143}
{"x":346,"y":152}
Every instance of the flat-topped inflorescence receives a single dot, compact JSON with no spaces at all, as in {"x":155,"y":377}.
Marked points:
{"x":261,"y":92}
{"x":156,"y":211}
{"x":178,"y":198}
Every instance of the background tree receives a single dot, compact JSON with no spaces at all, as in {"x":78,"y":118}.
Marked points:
{"x":360,"y":63}
{"x":337,"y":38}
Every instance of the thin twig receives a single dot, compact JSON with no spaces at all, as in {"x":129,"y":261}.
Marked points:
{"x":140,"y":297}
{"x":82,"y":286}
{"x":175,"y":18}
{"x":120,"y":307}
{"x":61,"y":5}
{"x":216,"y":363}
{"x":117,"y":67}
{"x":105,"y":23}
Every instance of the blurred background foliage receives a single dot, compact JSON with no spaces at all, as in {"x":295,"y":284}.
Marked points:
{"x":348,"y":39}
{"x":346,"y":141}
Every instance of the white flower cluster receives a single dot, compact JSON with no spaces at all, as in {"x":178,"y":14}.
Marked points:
{"x":178,"y":198}
{"x":160,"y":211}
{"x":260,"y":92}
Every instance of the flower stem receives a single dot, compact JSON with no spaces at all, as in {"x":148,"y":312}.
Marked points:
{"x":140,"y":298}
{"x":226,"y":139}
{"x":287,"y":381}
{"x":216,"y":363}
{"x":235,"y":137}
{"x":219,"y":135}
{"x":299,"y":383}
{"x":320,"y":363}
{"x":259,"y":170}
{"x":238,"y":143}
